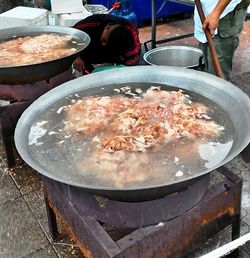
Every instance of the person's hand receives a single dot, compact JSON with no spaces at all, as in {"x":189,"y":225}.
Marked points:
{"x":211,"y":22}
{"x":79,"y":64}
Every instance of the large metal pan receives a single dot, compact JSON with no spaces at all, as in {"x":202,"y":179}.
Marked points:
{"x":232,"y":101}
{"x":40,"y":71}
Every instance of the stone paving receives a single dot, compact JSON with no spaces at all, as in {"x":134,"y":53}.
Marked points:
{"x":23,"y":222}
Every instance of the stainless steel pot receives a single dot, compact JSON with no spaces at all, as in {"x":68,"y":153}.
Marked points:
{"x":180,"y":56}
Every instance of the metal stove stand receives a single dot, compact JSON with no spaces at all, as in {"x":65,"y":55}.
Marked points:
{"x":176,"y":237}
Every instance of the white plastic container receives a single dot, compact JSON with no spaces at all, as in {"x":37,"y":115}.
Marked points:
{"x":23,"y":16}
{"x":70,"y":19}
{"x":62,"y":6}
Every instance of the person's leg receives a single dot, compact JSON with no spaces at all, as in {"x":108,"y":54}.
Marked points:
{"x":204,"y":48}
{"x":225,"y":48}
{"x":224,"y":53}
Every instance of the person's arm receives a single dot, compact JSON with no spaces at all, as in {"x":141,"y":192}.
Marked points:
{"x":89,"y":25}
{"x":80,"y":66}
{"x":212,"y":20}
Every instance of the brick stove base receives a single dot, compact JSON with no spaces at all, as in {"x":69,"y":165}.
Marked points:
{"x":177,"y":237}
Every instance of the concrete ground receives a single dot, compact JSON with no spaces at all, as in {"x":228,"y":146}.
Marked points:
{"x":23,"y":222}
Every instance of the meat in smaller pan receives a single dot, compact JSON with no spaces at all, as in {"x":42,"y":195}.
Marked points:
{"x":35,"y":49}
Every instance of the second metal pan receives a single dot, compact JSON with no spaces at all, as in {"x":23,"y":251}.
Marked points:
{"x":25,"y":74}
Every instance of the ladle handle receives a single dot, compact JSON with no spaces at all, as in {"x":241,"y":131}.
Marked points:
{"x":217,"y":67}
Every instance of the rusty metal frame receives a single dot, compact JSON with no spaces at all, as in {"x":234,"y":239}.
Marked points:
{"x":219,"y":208}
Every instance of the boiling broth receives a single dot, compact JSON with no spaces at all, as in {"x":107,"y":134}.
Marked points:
{"x":70,"y":157}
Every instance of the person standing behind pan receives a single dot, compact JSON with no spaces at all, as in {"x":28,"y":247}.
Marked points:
{"x":113,"y":40}
{"x":224,"y":19}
